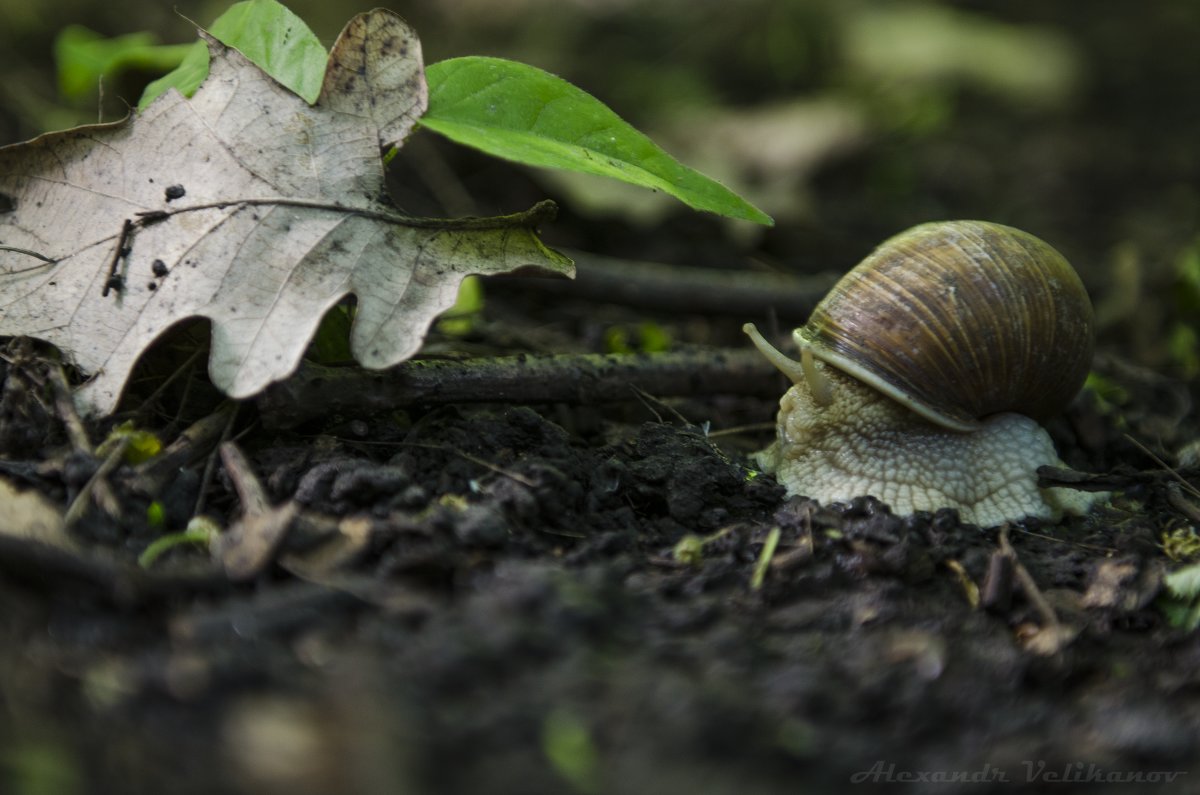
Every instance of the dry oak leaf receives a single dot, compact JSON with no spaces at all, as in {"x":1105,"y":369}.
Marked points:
{"x":247,"y":206}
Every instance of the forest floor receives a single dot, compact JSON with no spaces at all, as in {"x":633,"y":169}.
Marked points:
{"x":528,"y":597}
{"x":596,"y":593}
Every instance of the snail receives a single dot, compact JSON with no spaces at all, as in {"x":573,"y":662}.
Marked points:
{"x":924,"y":374}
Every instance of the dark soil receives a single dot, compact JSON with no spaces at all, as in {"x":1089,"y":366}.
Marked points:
{"x":503,"y":609}
{"x":528,"y":597}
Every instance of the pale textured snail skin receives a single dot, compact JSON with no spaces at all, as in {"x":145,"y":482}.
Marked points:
{"x":865,"y":443}
{"x":895,"y":424}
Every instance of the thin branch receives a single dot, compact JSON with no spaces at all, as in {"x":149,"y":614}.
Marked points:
{"x":474,"y":459}
{"x":191,"y":445}
{"x":172,"y":378}
{"x":661,"y":287}
{"x":113,"y":281}
{"x":1149,"y":453}
{"x":250,"y":490}
{"x":79,"y":505}
{"x":67,"y":412}
{"x":1182,"y":504}
{"x":1028,"y":584}
{"x":210,"y":463}
{"x":317,"y":391}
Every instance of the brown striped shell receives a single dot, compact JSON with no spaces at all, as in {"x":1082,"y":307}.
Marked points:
{"x":959,"y":320}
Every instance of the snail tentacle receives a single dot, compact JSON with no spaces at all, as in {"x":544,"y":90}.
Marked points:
{"x":820,"y":386}
{"x":803,"y":371}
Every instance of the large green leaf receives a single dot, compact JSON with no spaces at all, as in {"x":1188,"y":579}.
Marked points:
{"x":267,"y":33}
{"x":521,"y":113}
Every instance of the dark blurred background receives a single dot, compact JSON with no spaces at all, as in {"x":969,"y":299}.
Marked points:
{"x":847,"y":121}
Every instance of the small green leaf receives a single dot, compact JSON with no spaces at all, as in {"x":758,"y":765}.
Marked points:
{"x":140,"y":445}
{"x":269,"y":35}
{"x":521,"y":113}
{"x":567,"y":744}
{"x":1184,"y":583}
{"x":185,"y":78}
{"x":1181,"y":603}
{"x":84,"y":57}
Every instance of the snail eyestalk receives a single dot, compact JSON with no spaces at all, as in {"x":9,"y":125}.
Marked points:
{"x":821,"y":387}
{"x":804,"y":370}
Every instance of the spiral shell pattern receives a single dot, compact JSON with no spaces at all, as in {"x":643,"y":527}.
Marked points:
{"x":959,"y":320}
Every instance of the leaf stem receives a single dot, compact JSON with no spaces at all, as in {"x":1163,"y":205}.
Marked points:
{"x":542,"y":212}
{"x":28,"y":253}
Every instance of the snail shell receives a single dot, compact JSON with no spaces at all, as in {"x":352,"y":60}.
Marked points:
{"x":959,"y":320}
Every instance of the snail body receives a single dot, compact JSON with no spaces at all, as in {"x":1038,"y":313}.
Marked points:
{"x":925,"y":371}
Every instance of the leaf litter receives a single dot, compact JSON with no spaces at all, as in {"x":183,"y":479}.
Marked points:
{"x":246,"y":206}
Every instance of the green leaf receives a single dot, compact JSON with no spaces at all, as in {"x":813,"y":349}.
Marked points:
{"x":520,"y":113}
{"x":267,"y":33}
{"x":1184,"y":583}
{"x":83,"y":57}
{"x":1182,"y":603}
{"x":567,"y":744}
{"x":185,"y":78}
{"x":1181,"y":614}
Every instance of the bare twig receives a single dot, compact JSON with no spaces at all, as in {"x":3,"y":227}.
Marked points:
{"x":1028,"y":585}
{"x":649,"y":401}
{"x":757,"y":427}
{"x":210,"y":464}
{"x":1052,"y":636}
{"x":315,"y":391}
{"x":474,"y":459}
{"x":190,"y":446}
{"x":676,"y":288}
{"x":1182,"y":504}
{"x":1150,"y":454}
{"x":92,"y":488}
{"x":249,"y":488}
{"x":1107,"y":551}
{"x":113,"y":280}
{"x":801,"y":551}
{"x":251,"y":543}
{"x":1049,"y":477}
{"x":172,"y":378}
{"x":64,"y":404}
